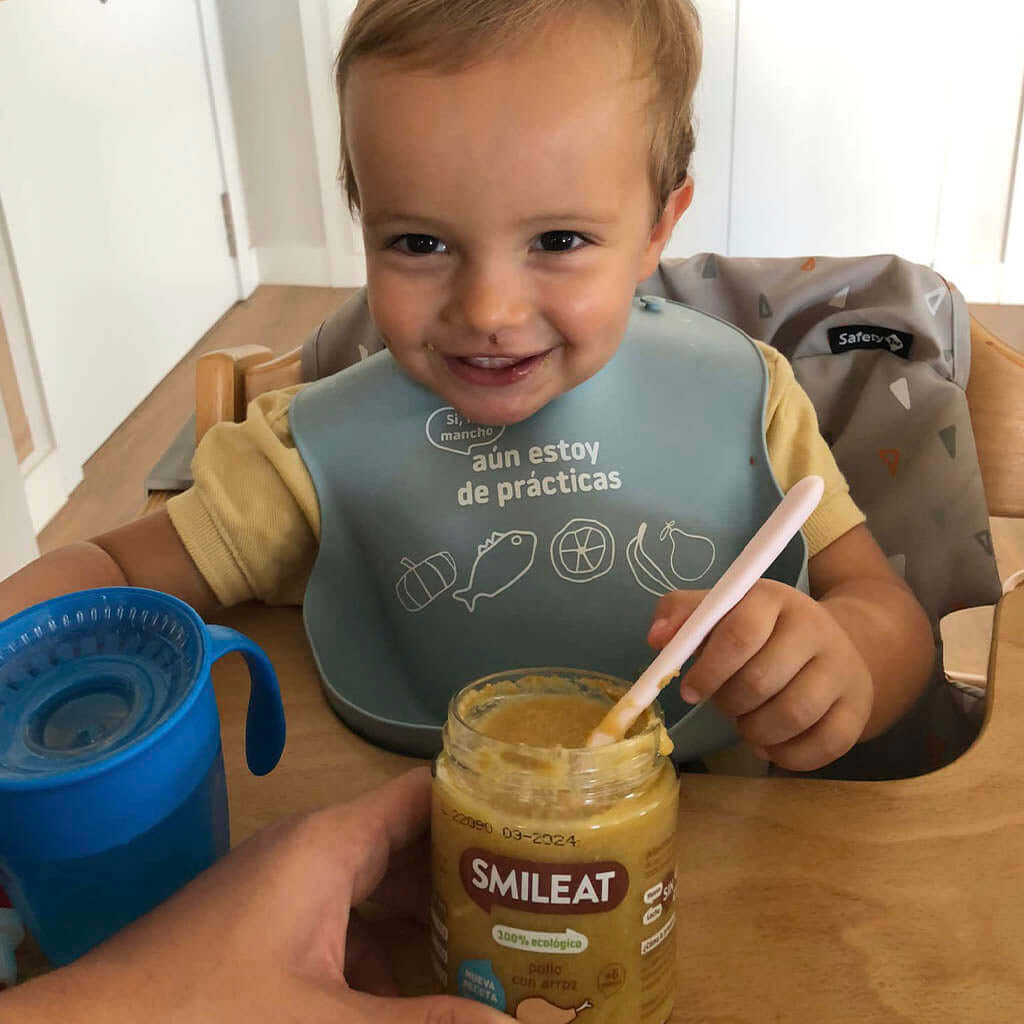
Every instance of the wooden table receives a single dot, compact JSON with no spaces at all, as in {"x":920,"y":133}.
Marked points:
{"x":799,"y":899}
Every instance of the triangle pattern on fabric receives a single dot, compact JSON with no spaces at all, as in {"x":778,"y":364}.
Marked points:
{"x":984,"y":538}
{"x":899,"y":564}
{"x":891,"y":458}
{"x":934,"y":299}
{"x":710,"y":270}
{"x":901,"y":389}
{"x":763,"y":307}
{"x":839,"y":299}
{"x":948,"y":436}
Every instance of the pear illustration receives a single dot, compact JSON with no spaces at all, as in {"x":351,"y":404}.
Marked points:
{"x":691,"y":558}
{"x":539,"y":1011}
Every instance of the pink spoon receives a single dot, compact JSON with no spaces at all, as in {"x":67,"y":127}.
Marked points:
{"x":750,"y":565}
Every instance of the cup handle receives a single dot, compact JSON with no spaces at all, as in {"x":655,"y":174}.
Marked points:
{"x":264,"y":721}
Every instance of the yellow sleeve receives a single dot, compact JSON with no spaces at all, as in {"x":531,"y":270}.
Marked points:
{"x":251,"y":520}
{"x":796,"y":449}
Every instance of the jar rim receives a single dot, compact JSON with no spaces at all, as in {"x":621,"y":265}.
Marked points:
{"x":643,"y":745}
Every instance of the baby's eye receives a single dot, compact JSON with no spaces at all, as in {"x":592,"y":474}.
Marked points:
{"x":419,"y":245}
{"x":561,"y":241}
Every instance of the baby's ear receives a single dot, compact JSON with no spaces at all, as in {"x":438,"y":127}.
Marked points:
{"x":678,"y":201}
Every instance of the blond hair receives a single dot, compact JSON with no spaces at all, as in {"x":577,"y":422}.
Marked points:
{"x":447,"y":36}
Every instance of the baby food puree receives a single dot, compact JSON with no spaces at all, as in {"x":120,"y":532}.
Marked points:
{"x":554,"y":865}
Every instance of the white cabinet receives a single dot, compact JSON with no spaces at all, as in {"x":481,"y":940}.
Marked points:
{"x":841,"y":130}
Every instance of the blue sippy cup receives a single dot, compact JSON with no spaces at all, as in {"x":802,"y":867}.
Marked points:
{"x":112,"y":789}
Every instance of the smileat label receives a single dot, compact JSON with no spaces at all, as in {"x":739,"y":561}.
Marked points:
{"x":540,"y":887}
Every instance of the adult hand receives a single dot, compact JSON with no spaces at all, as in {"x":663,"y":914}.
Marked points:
{"x":268,"y":932}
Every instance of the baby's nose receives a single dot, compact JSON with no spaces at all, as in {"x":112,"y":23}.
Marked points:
{"x":491,"y":300}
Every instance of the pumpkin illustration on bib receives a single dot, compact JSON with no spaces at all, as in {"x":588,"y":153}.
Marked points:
{"x":424,"y":581}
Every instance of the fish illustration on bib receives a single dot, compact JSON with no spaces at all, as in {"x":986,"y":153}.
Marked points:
{"x":501,"y":560}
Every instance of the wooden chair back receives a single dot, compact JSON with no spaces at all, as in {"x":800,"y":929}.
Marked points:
{"x":227,"y":380}
{"x":995,"y":396}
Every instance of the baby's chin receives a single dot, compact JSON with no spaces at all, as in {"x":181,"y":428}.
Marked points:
{"x":495,"y":413}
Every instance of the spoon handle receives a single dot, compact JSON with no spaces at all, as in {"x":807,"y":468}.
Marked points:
{"x":750,"y":565}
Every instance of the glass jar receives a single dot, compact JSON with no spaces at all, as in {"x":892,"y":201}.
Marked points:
{"x":554,"y":865}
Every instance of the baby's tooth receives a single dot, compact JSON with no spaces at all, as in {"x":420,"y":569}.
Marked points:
{"x":489,"y":362}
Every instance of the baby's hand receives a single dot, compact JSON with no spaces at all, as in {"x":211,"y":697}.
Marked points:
{"x":783,"y":667}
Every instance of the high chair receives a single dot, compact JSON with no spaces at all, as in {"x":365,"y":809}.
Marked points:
{"x":226,"y":381}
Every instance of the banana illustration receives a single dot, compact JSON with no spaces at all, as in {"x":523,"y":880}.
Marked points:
{"x":645,"y":570}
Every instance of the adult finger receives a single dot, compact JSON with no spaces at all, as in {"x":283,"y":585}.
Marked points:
{"x":406,"y":885}
{"x":422,"y":1010}
{"x":371,"y":829}
{"x":367,"y":964}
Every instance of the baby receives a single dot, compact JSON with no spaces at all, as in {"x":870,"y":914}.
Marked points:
{"x":518,"y":166}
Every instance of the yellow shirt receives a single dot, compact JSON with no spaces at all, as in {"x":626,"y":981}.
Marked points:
{"x":251,"y":521}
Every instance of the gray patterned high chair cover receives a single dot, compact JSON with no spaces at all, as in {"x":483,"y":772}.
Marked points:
{"x":882,"y":347}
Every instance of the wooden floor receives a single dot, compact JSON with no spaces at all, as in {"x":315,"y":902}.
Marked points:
{"x":279,"y":317}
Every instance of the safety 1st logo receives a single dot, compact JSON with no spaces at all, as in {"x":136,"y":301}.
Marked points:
{"x":861,"y":336}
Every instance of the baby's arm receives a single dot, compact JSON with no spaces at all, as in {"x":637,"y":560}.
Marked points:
{"x":807,"y":677}
{"x":853,"y":580}
{"x":144,"y":553}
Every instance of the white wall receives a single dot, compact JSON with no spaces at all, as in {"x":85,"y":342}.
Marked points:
{"x":982,"y":204}
{"x":890,"y":127}
{"x":323,"y":25}
{"x":265,"y":65}
{"x":705,"y":226}
{"x":17,"y":538}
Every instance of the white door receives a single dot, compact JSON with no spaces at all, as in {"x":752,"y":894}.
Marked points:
{"x":111,"y":183}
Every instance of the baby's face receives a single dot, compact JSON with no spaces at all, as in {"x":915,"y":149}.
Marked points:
{"x":507,"y":218}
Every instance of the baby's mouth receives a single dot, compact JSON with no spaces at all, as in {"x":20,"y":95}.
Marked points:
{"x":493,"y":371}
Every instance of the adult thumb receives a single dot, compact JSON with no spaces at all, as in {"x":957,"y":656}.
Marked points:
{"x":424,"y":1010}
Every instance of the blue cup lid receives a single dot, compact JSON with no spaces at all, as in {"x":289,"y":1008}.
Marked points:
{"x":89,"y":674}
